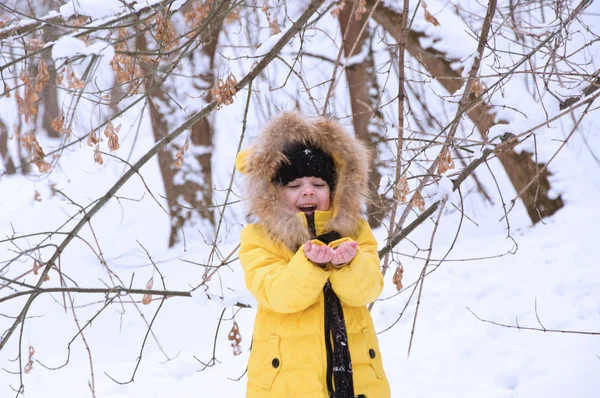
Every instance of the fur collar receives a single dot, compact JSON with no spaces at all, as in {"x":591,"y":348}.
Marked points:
{"x":262,"y":160}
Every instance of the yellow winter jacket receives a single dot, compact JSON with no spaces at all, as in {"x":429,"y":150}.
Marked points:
{"x":288,"y":354}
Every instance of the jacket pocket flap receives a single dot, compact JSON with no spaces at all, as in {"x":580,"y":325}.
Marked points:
{"x":272,"y":362}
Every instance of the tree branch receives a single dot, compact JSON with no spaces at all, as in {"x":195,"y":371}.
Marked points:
{"x":262,"y":64}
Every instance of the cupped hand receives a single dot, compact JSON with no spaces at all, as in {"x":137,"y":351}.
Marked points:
{"x":344,"y":253}
{"x":318,"y":254}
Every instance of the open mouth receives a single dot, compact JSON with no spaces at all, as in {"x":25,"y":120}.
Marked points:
{"x":307,"y":209}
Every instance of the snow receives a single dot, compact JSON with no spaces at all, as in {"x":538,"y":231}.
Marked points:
{"x":140,"y":5}
{"x":68,"y":47}
{"x":270,"y":42}
{"x":358,"y":58}
{"x":445,"y":188}
{"x":93,"y":8}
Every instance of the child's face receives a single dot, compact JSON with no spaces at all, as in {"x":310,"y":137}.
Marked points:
{"x":307,"y":194}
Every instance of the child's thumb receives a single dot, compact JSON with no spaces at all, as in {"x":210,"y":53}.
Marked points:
{"x":308,"y":246}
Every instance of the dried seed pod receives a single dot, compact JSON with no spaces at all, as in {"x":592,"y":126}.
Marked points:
{"x":428,"y":17}
{"x":360,"y":10}
{"x":43,"y":76}
{"x":418,"y":201}
{"x":402,"y":189}
{"x":58,"y":123}
{"x":445,"y":161}
{"x":92,"y":139}
{"x":29,"y":365}
{"x":236,"y":338}
{"x":147,"y":299}
{"x":98,"y":156}
{"x":397,"y":278}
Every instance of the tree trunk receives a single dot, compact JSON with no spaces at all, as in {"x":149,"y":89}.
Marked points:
{"x":360,"y":82}
{"x":5,"y":157}
{"x":49,"y":99}
{"x":179,"y":188}
{"x":520,"y":168}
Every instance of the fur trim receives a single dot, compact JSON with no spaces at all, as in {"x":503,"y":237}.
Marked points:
{"x":266,"y":156}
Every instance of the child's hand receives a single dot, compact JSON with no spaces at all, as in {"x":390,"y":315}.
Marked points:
{"x":320,"y":255}
{"x":344,"y":253}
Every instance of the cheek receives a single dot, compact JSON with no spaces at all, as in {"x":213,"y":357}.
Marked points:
{"x":289,"y":197}
{"x":324,"y":199}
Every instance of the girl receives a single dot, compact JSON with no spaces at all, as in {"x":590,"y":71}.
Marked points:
{"x":311,"y":262}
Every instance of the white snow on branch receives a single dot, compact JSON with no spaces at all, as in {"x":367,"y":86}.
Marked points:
{"x":140,"y":5}
{"x":445,"y":188}
{"x":270,"y":43}
{"x":67,"y":47}
{"x":105,"y":8}
{"x":92,"y":8}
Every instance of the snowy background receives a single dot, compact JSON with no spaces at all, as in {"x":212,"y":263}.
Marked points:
{"x":530,"y":276}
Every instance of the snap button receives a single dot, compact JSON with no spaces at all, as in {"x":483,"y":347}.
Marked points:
{"x":275,"y":363}
{"x":372,"y":353}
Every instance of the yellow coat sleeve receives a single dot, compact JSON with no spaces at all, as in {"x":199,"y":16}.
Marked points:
{"x":279,"y":285}
{"x":359,"y":282}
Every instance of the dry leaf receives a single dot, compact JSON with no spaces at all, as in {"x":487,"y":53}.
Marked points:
{"x":431,"y":19}
{"x":113,"y":142}
{"x":74,"y":82}
{"x":37,"y":156}
{"x":29,"y":365}
{"x":402,"y":189}
{"x":109,"y":130}
{"x":43,"y":166}
{"x":178,"y":163}
{"x":478,"y":87}
{"x":223,"y":91}
{"x":147,"y":299}
{"x":165,"y":33}
{"x":92,"y":139}
{"x":6,"y":90}
{"x":43,"y":76}
{"x":236,"y":338}
{"x":59,"y":77}
{"x":338,"y":9}
{"x":445,"y":161}
{"x":36,"y":266}
{"x":274,"y":26}
{"x":58,"y":123}
{"x":418,"y":201}
{"x":360,"y":10}
{"x":397,"y":278}
{"x":197,"y":15}
{"x":428,"y":17}
{"x":233,"y":16}
{"x":98,"y":156}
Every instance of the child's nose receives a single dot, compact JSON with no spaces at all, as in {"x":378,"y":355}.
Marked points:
{"x":308,"y":192}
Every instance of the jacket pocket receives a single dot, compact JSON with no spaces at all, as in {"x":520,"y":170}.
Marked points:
{"x":373,"y":353}
{"x":272,"y":363}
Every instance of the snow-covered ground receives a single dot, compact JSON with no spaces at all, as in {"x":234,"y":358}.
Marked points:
{"x":453,"y":353}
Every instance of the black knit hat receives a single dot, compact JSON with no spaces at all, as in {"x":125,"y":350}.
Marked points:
{"x":306,"y":161}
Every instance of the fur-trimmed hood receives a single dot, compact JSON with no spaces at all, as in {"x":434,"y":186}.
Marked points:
{"x":261,"y":161}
